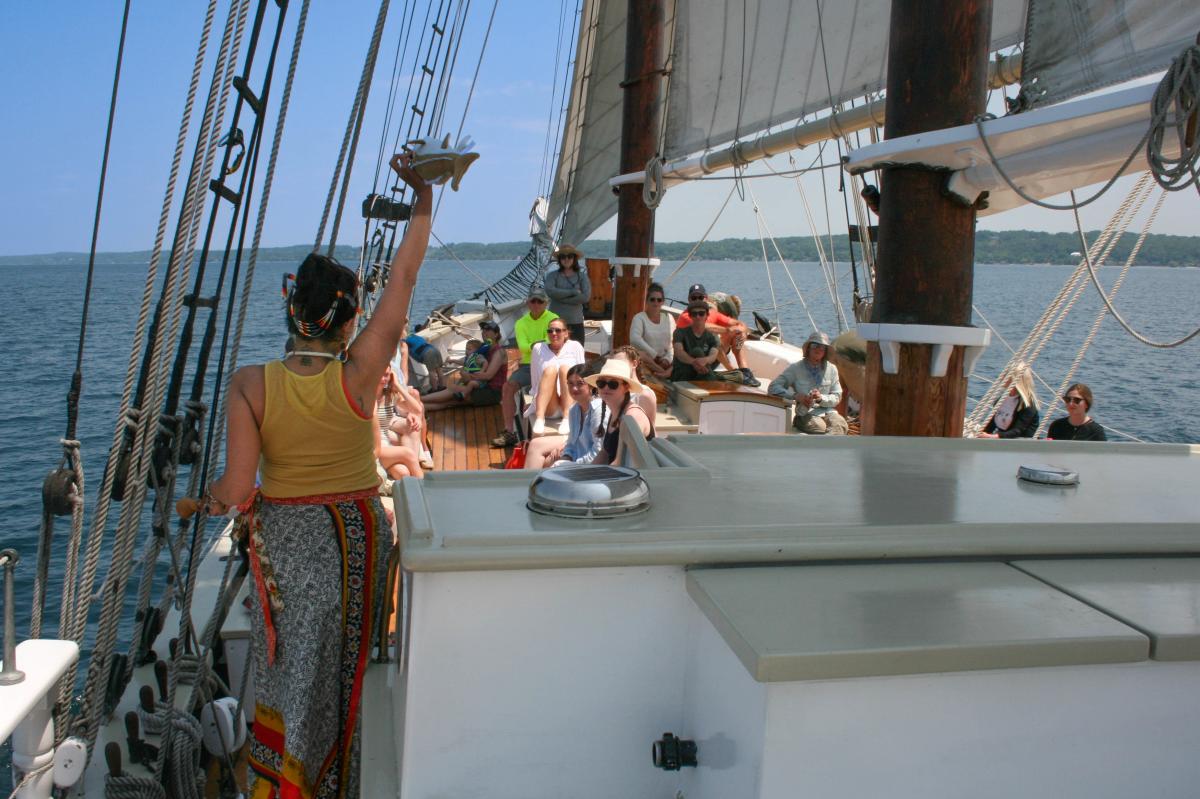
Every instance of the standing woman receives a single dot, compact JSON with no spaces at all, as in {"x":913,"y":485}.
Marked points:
{"x":569,"y":290}
{"x":1017,"y":414}
{"x":319,"y":540}
{"x":616,"y":383}
{"x":1077,"y":425}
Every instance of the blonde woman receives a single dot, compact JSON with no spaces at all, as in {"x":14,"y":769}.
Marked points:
{"x":1017,"y":414}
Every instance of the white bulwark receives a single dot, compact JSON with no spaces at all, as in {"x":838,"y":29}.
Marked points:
{"x":903,"y":617}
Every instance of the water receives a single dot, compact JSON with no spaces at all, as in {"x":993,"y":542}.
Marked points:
{"x":1144,"y":392}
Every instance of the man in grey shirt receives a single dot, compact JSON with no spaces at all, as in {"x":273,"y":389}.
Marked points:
{"x":569,"y":289}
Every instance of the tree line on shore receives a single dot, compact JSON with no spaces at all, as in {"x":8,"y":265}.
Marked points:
{"x":991,"y":247}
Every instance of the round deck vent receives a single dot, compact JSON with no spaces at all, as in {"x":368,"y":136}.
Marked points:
{"x":589,"y":492}
{"x":1048,"y":474}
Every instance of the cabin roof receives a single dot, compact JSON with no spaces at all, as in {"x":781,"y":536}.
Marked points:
{"x":759,"y":499}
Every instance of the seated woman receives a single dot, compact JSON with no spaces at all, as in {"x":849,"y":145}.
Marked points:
{"x":650,"y":333}
{"x":549,"y":363}
{"x":617,"y":384}
{"x":479,"y":389}
{"x":399,"y":446}
{"x":1017,"y":414}
{"x":1077,"y":425}
{"x":646,"y":397}
{"x":581,"y":444}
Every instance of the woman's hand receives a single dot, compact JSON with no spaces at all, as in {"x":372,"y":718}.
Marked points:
{"x":402,"y":165}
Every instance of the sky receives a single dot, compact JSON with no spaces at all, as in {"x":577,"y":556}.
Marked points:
{"x":57,"y":65}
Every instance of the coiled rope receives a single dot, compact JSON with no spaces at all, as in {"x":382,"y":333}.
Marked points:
{"x":1179,"y":90}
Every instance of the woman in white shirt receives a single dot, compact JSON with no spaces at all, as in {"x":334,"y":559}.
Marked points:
{"x":549,"y":362}
{"x":650,"y":333}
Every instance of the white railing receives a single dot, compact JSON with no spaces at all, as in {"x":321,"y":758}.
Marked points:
{"x":26,"y":712}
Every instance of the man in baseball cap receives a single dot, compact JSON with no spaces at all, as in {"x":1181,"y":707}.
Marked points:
{"x":731,"y":333}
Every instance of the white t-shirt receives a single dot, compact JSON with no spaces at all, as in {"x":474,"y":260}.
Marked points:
{"x":543,"y":357}
{"x":649,"y":337}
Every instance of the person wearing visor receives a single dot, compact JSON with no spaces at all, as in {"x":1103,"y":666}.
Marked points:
{"x":814,"y":385}
{"x":729,"y":331}
{"x":528,"y":330}
{"x":481,"y":388}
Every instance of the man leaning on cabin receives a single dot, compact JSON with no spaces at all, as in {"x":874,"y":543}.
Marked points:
{"x":814,"y":385}
{"x":529,"y":330}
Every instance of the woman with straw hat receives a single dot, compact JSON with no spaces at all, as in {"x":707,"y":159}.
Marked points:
{"x":617,"y":382}
{"x":569,"y":289}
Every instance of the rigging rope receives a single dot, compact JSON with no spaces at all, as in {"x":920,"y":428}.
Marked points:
{"x":787,"y":270}
{"x":1091,"y":336}
{"x":350,"y":137}
{"x":1116,"y":314}
{"x":1180,"y":86}
{"x":703,"y":238}
{"x":126,"y":412}
{"x":1061,"y":305}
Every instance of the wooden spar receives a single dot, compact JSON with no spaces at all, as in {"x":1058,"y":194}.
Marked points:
{"x":640,"y":126}
{"x":937,"y":78}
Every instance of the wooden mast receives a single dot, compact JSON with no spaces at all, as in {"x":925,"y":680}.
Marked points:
{"x":640,"y":126}
{"x":937,"y":78}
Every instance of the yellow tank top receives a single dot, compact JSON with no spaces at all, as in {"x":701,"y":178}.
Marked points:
{"x":313,"y":440}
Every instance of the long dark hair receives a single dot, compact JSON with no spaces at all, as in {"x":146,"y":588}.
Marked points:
{"x":322,"y":298}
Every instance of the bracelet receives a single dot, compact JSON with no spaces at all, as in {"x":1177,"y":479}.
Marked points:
{"x":208,"y":500}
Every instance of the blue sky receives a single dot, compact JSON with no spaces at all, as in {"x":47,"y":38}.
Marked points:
{"x":57,"y":63}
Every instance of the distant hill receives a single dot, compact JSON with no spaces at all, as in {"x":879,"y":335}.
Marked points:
{"x":991,"y":247}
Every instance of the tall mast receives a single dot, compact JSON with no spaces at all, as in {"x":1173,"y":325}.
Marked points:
{"x":640,"y":126}
{"x":937,"y":78}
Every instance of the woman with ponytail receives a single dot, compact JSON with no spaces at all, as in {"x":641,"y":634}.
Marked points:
{"x":318,"y":537}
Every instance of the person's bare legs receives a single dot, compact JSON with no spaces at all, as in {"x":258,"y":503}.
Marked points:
{"x":542,"y":452}
{"x":392,"y":455}
{"x":565,"y":401}
{"x":546,"y":394}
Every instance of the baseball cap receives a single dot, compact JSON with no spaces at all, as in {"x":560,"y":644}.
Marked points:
{"x":697,"y":289}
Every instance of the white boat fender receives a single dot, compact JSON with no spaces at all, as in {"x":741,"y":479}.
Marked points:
{"x":223,"y":726}
{"x":70,"y":758}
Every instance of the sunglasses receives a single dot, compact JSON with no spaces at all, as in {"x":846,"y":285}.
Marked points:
{"x":699,"y":314}
{"x":613,"y":384}
{"x":556,"y":330}
{"x":695,"y":297}
{"x":654,"y":299}
{"x":1072,"y":400}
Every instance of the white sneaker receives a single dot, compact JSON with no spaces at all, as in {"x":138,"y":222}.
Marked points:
{"x":539,"y":427}
{"x":564,"y":427}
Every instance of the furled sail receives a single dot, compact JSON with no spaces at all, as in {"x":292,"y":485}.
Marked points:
{"x":736,"y":69}
{"x":1077,"y":46}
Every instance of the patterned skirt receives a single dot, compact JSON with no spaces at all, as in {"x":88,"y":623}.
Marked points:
{"x":319,"y":575}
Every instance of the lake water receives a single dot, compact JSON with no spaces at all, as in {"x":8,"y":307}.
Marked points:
{"x":1146,"y":393}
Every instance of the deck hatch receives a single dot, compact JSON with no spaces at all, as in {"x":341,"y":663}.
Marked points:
{"x":589,"y":492}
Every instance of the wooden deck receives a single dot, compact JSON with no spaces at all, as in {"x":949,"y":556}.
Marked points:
{"x":459,"y":439}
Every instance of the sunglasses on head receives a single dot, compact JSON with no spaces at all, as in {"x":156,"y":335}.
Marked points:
{"x":1072,"y":400}
{"x":613,"y":384}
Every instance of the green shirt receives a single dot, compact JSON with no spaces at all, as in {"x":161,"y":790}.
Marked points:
{"x":530,"y":331}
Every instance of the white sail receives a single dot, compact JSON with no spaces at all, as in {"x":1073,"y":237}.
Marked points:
{"x":1077,"y":46}
{"x":731,"y":75}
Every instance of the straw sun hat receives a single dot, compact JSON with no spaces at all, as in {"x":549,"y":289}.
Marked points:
{"x":618,"y":369}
